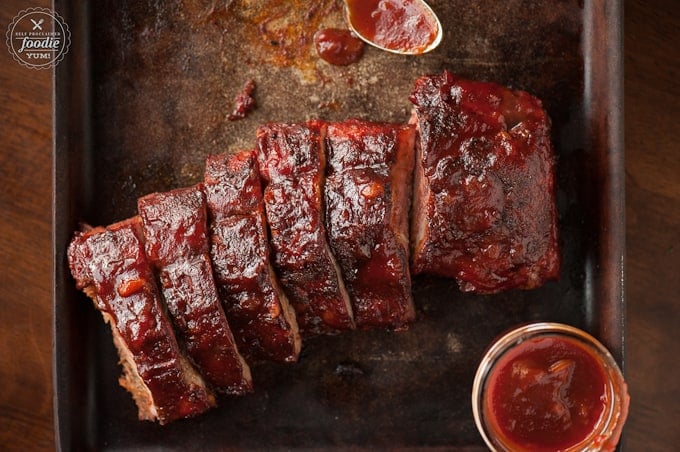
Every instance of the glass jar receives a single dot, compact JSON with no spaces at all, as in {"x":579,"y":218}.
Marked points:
{"x":549,"y":386}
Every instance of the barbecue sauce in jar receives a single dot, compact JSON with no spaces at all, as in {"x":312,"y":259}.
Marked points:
{"x":549,"y":390}
{"x":403,"y":26}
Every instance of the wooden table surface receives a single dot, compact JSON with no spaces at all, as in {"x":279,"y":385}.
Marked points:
{"x":652,"y":109}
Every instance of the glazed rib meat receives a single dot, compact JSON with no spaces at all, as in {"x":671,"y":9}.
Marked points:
{"x":175,"y":229}
{"x":292,"y":162}
{"x":258,"y":310}
{"x":484,"y":204}
{"x":110,"y":266}
{"x":368,"y":197}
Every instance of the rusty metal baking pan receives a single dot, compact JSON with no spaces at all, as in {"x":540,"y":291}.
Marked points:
{"x":141,"y":99}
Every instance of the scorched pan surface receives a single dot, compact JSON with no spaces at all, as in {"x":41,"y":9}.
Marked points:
{"x":142,"y":99}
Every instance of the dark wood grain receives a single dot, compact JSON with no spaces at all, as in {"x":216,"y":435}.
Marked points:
{"x":652,"y":101}
{"x":652,"y":96}
{"x":25,"y":251}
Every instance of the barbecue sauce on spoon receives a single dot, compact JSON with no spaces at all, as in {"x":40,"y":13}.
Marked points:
{"x":401,"y":26}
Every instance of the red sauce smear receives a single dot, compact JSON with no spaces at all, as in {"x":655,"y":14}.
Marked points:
{"x":399,"y":25}
{"x":338,"y":47}
{"x":547,"y":393}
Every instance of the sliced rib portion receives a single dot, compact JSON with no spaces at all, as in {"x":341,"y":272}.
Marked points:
{"x":175,"y":228}
{"x":110,"y":266}
{"x":292,"y":162}
{"x":259,"y":313}
{"x":484,"y":205}
{"x":368,"y":197}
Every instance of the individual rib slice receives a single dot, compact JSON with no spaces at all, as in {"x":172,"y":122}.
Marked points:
{"x":292,"y":162}
{"x":259,"y":313}
{"x":175,"y":228}
{"x":368,"y":197}
{"x":484,"y":204}
{"x":110,"y":266}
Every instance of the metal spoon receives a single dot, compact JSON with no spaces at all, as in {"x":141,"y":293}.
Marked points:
{"x":353,"y":20}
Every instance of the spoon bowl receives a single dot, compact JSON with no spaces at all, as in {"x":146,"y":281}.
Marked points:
{"x":404,"y":27}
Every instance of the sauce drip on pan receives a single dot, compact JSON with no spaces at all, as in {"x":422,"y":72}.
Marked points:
{"x":338,"y":47}
{"x":405,"y":26}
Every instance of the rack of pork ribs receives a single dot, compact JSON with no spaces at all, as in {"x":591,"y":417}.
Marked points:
{"x":317,"y":230}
